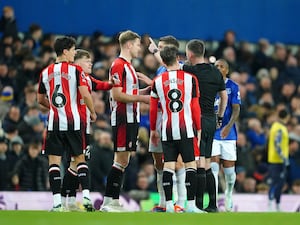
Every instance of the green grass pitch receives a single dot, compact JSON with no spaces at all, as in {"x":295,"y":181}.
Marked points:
{"x":145,"y":218}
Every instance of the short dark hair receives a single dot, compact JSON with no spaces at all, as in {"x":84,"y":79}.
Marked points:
{"x":197,"y":47}
{"x":283,"y":113}
{"x":170,"y":40}
{"x":80,"y":53}
{"x":63,"y":43}
{"x":128,"y":36}
{"x":169,"y":54}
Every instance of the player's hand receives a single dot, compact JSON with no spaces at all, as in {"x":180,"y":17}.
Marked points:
{"x":144,"y":78}
{"x":152,"y":45}
{"x":93,"y":117}
{"x":225,"y":132}
{"x":145,"y":91}
{"x":154,"y":136}
{"x":198,"y":137}
{"x":144,"y":98}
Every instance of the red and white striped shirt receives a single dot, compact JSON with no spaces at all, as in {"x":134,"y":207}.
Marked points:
{"x":178,"y":93}
{"x":93,"y":85}
{"x":60,"y":81}
{"x":123,"y":113}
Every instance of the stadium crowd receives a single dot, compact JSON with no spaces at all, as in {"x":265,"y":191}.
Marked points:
{"x":268,"y":76}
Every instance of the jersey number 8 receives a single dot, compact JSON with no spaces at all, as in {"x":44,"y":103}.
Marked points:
{"x":175,"y":104}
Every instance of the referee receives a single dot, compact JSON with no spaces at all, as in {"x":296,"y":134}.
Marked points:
{"x":211,"y":83}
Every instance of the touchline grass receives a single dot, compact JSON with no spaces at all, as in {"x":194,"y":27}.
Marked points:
{"x":145,"y":218}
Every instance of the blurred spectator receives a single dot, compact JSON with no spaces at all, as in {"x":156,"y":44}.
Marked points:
{"x":255,"y":134}
{"x":296,"y":187}
{"x":228,"y":41}
{"x":102,"y":156}
{"x":31,"y":127}
{"x":4,"y":165}
{"x":8,"y":24}
{"x":249,"y":185}
{"x":31,"y":171}
{"x":12,"y":118}
{"x":16,"y":151}
{"x":29,"y":100}
{"x":34,"y":36}
{"x":262,"y":188}
{"x":6,"y":100}
{"x":240,"y":178}
{"x":261,"y":58}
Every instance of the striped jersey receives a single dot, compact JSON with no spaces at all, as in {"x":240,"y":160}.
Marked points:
{"x":93,"y":85}
{"x":176,"y":91}
{"x":122,"y":113}
{"x":60,"y":81}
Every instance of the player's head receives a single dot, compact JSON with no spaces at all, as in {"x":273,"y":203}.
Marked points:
{"x":84,"y":60}
{"x":222,"y":66}
{"x":131,"y":41}
{"x":195,"y":48}
{"x":169,"y":55}
{"x":284,"y":115}
{"x":168,"y":40}
{"x":65,"y":46}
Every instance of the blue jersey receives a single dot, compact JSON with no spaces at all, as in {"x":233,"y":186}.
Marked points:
{"x":163,"y":69}
{"x":233,"y":93}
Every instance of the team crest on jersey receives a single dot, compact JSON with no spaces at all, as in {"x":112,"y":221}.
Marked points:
{"x":116,"y":76}
{"x":228,"y":90}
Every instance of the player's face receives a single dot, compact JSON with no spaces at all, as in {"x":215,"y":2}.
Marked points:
{"x":222,"y":67}
{"x":86,"y":64}
{"x":135,"y":48}
{"x":70,"y":54}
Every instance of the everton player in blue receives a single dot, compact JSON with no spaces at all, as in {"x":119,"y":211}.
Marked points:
{"x":224,"y":143}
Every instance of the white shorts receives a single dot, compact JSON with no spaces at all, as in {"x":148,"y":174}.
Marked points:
{"x":152,"y":147}
{"x":226,"y":149}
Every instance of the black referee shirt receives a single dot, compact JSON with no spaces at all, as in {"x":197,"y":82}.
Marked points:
{"x":210,"y":83}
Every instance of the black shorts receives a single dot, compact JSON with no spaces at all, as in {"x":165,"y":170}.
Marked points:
{"x":208,"y":124}
{"x":86,"y":145}
{"x":125,"y":137}
{"x":59,"y":141}
{"x":185,"y":147}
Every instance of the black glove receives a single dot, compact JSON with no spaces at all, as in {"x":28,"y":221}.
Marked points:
{"x":219,"y":121}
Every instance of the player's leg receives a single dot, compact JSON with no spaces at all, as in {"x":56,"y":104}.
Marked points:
{"x":215,"y":162}
{"x":180,"y":184}
{"x":125,"y":138}
{"x":77,"y":142}
{"x":53,"y":148}
{"x":228,"y":156}
{"x":170,"y":157}
{"x":187,"y":151}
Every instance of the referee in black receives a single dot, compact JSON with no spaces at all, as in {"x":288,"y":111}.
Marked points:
{"x":211,"y":83}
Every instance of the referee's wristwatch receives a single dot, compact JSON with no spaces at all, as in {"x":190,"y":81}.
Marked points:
{"x":155,"y":50}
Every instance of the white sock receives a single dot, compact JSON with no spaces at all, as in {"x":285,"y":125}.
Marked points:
{"x":63,"y":201}
{"x":190,"y":204}
{"x":169,"y":206}
{"x":160,"y":189}
{"x":86,"y":193}
{"x":181,"y":189}
{"x":215,"y":170}
{"x":107,"y":200}
{"x":57,"y":199}
{"x":72,"y":200}
{"x":230,"y":177}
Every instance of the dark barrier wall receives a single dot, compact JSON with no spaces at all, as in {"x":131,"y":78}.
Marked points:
{"x":277,"y":20}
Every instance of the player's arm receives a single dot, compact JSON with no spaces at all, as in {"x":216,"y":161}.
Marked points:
{"x":155,"y":51}
{"x":195,"y":106}
{"x":154,"y":136}
{"x":223,"y":103}
{"x":120,"y":96}
{"x":41,"y":95}
{"x":101,"y":85}
{"x":144,"y":78}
